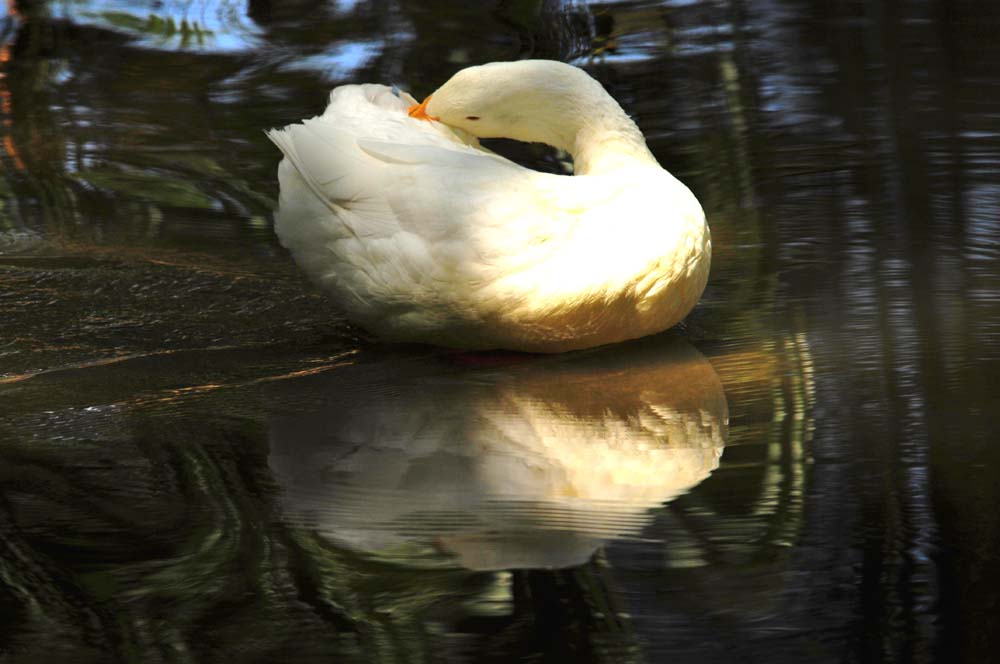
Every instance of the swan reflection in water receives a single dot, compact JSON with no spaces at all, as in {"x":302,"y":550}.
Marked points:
{"x":498,"y":462}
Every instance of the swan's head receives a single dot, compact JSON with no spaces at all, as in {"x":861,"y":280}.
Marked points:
{"x":540,"y":101}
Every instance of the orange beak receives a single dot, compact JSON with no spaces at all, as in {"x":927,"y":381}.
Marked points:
{"x":419,"y":111}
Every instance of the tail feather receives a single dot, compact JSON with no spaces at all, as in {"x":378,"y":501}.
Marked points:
{"x":348,"y":182}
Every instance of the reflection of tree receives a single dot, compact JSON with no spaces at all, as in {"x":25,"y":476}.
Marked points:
{"x":870,"y":131}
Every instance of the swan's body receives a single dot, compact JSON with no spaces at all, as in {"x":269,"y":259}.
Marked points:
{"x":423,"y":236}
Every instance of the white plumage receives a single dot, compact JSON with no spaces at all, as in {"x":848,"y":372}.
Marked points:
{"x":421,"y":235}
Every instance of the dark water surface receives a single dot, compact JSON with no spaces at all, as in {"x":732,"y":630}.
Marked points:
{"x":201,"y":461}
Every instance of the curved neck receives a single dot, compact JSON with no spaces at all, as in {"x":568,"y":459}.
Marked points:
{"x":603,"y":139}
{"x":598,"y":150}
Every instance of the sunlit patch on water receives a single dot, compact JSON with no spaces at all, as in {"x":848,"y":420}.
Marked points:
{"x":338,"y":61}
{"x":210,"y":25}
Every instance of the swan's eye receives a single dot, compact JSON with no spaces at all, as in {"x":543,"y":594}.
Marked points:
{"x":471,"y":117}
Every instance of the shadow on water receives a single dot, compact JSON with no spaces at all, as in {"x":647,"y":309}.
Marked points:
{"x":200,"y":459}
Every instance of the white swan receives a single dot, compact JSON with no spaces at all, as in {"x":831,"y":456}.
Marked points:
{"x":421,"y":235}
